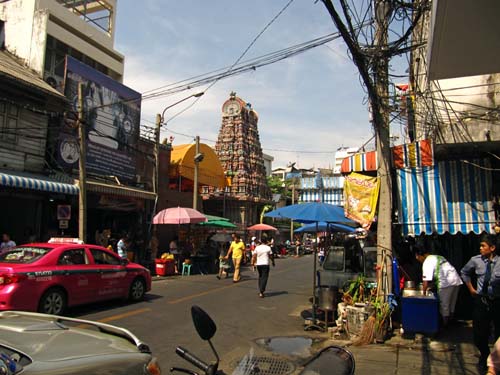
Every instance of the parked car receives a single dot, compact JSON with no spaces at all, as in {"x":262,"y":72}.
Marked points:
{"x":48,"y":277}
{"x":32,"y":343}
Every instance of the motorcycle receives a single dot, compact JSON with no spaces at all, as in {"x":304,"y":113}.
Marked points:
{"x":332,"y":360}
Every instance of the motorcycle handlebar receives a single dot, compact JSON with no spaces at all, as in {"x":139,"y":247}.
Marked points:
{"x":191,"y":358}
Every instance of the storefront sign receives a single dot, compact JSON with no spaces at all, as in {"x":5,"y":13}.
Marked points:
{"x":63,"y":212}
{"x":112,"y":118}
{"x":360,"y":198}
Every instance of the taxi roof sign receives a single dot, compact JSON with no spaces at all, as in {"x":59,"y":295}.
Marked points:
{"x":76,"y":241}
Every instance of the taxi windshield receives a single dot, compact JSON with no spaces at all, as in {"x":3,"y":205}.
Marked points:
{"x":23,"y":254}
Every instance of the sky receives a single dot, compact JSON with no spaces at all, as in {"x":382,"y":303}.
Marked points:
{"x":308,"y":105}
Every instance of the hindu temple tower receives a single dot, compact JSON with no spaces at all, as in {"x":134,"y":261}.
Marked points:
{"x":240,"y":153}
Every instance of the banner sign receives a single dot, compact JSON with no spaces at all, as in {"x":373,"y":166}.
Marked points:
{"x":112,"y":118}
{"x":360,"y":198}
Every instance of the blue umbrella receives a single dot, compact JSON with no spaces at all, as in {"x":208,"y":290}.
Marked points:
{"x":325,"y":227}
{"x":311,"y":212}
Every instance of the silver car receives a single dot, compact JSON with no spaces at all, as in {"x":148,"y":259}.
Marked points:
{"x":41,"y":344}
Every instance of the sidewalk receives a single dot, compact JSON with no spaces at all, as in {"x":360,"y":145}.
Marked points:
{"x":450,"y":352}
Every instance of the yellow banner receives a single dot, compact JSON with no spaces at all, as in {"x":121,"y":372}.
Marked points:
{"x":360,"y":197}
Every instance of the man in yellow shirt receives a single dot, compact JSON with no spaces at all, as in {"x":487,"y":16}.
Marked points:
{"x":236,"y":250}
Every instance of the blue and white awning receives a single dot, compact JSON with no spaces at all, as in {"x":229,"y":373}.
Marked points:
{"x":40,"y":184}
{"x":451,"y":196}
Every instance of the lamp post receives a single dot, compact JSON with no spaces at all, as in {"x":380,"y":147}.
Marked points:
{"x":159,"y":123}
{"x":198,"y":158}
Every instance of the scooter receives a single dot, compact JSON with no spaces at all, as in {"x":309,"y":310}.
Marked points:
{"x":332,"y":360}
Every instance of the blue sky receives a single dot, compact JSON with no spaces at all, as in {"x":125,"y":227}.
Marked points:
{"x":309,"y":103}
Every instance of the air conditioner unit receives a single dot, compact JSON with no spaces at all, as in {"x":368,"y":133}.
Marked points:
{"x":55,"y":82}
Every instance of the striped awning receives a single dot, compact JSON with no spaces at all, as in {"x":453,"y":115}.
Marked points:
{"x":451,"y":196}
{"x":118,"y":190}
{"x":362,"y":162}
{"x":416,"y":154}
{"x":40,"y":183}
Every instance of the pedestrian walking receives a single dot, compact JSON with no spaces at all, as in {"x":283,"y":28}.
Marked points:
{"x":262,"y":258}
{"x":122,"y":246}
{"x":7,"y":243}
{"x":236,"y":251}
{"x":439,"y":274}
{"x":224,"y":265}
{"x":486,"y":293}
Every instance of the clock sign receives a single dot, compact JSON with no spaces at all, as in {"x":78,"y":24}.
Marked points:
{"x":232,"y":108}
{"x":69,"y":151}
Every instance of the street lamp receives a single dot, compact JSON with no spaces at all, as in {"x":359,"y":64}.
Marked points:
{"x":159,"y":122}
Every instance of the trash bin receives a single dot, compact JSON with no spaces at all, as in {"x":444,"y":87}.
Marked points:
{"x":165,"y":267}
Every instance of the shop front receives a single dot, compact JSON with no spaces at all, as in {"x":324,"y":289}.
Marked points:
{"x":30,"y":205}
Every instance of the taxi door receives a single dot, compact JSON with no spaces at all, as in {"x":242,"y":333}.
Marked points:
{"x":112,"y":274}
{"x":75,"y":273}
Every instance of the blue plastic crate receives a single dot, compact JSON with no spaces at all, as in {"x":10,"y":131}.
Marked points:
{"x":420,"y":314}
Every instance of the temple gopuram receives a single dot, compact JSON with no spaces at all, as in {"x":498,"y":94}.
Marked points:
{"x":240,"y":153}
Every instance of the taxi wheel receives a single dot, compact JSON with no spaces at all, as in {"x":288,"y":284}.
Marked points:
{"x":53,"y":302}
{"x":137,"y":290}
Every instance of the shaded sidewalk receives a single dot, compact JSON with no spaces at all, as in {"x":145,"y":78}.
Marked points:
{"x":449,"y":352}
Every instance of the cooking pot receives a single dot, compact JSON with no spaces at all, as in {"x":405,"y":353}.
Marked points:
{"x":410,"y":284}
{"x":327,"y":298}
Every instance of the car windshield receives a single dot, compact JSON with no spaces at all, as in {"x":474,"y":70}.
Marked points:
{"x":23,"y":254}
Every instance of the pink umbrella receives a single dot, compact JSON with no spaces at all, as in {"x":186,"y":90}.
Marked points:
{"x":179,"y":215}
{"x":262,"y":227}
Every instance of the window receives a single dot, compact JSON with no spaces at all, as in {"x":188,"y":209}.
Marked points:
{"x":24,"y":254}
{"x":334,"y":259}
{"x":9,"y":118}
{"x":73,"y":257}
{"x":103,"y":257}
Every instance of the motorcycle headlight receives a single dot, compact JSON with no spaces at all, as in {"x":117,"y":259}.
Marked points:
{"x":153,"y":367}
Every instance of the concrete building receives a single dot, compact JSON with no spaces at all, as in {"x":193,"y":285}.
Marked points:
{"x":42,"y":32}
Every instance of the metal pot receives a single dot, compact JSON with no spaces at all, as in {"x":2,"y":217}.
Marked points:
{"x":410,"y":284}
{"x":327,"y":298}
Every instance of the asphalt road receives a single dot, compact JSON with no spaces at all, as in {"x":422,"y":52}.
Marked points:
{"x":163,"y":320}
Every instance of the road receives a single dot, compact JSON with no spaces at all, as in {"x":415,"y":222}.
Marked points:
{"x":163,"y":320}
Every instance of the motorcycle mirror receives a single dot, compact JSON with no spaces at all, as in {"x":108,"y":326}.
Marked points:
{"x":203,"y":323}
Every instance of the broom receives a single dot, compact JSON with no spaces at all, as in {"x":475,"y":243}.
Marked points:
{"x":367,"y":334}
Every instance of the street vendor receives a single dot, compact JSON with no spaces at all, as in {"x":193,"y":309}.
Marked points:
{"x":437,"y":270}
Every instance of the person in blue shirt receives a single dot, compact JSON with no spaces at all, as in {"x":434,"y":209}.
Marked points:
{"x":486,"y":293}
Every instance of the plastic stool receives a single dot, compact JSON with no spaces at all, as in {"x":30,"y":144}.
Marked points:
{"x":186,"y":269}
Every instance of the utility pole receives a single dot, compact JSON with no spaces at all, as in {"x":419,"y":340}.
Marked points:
{"x":157,"y":155}
{"x":82,"y":183}
{"x":374,"y":73}
{"x":196,"y":167}
{"x":293,"y":202}
{"x":382,"y":136}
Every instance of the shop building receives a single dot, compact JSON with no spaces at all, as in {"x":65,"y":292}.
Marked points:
{"x":30,"y":191}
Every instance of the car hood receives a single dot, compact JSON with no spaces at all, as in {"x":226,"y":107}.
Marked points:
{"x":51,"y":340}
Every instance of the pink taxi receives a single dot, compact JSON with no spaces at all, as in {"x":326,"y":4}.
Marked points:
{"x":48,"y":277}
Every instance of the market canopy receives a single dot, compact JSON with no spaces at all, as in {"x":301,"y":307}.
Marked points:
{"x":217,"y":221}
{"x":210,"y":172}
{"x":325,"y":227}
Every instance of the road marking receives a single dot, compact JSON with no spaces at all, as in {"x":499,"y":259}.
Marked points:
{"x":124,"y":315}
{"x":173,"y":302}
{"x":207,"y":292}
